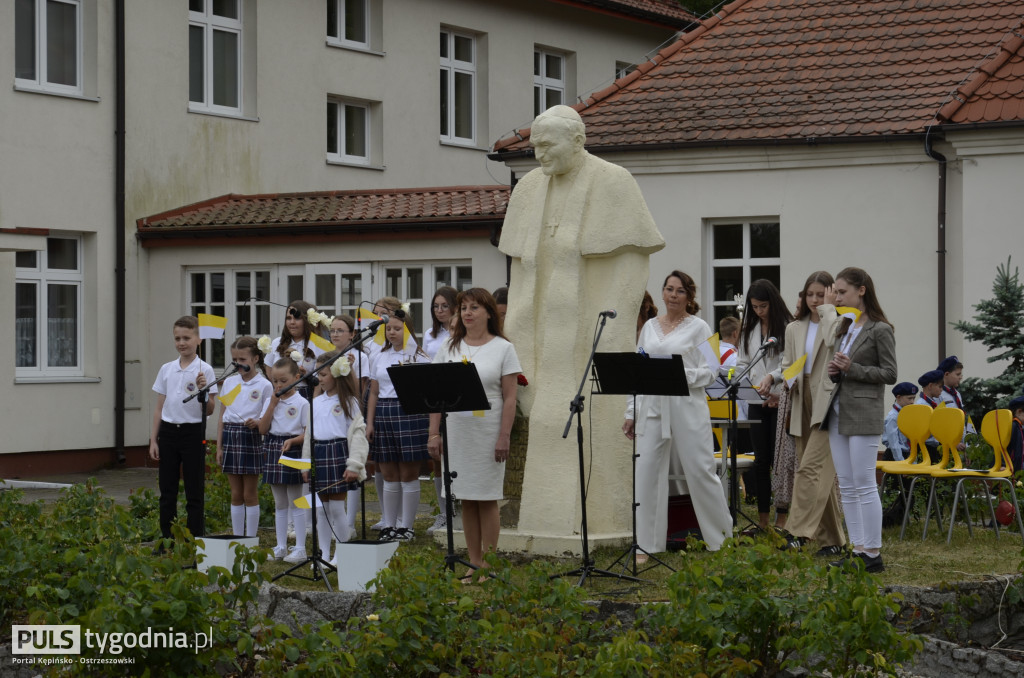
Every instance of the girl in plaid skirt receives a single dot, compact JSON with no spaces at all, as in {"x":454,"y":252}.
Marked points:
{"x":238,"y":435}
{"x":399,"y":440}
{"x":283,"y":425}
{"x":339,"y":449}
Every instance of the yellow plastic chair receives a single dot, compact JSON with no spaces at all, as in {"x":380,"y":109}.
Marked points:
{"x":995,"y":429}
{"x":914,"y":422}
{"x":947,"y":427}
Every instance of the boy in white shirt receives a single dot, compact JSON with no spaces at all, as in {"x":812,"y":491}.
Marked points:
{"x":178,"y":434}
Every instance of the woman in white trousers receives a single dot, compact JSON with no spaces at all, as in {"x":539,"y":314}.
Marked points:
{"x":676,"y":428}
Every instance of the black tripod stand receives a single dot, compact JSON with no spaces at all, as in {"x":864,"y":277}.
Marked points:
{"x":440,"y":388}
{"x":636,"y":374}
{"x":587,"y":567}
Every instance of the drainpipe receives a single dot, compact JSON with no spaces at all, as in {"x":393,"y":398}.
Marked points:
{"x":941,"y":241}
{"x":119,"y":234}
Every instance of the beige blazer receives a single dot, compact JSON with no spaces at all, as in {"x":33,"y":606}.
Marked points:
{"x":796,"y":341}
{"x":861,"y":392}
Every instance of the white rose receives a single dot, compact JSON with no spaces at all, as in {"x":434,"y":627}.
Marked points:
{"x":296,"y":356}
{"x":264,"y":344}
{"x":406,"y":308}
{"x":341,"y":368}
{"x":312,"y":316}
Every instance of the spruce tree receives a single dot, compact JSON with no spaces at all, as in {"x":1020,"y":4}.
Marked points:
{"x":1000,"y":327}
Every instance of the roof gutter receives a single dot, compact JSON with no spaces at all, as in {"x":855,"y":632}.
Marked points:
{"x":119,"y":233}
{"x":721,"y":143}
{"x":940,"y":247}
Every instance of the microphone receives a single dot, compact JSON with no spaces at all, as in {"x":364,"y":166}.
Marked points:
{"x":240,"y":367}
{"x":384,"y":318}
{"x":768,"y":343}
{"x":610,"y":313}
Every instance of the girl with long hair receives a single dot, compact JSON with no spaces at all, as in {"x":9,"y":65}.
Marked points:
{"x":765,"y":316}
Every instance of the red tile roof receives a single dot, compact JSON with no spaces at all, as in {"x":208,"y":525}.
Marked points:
{"x":799,"y":70}
{"x":666,"y":12}
{"x":332,"y":211}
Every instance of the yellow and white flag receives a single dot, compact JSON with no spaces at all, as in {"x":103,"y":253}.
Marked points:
{"x":321,"y":343}
{"x":230,"y":396}
{"x":712,"y":352}
{"x":793,"y":371}
{"x":307,"y":502}
{"x":212,"y":326}
{"x":848,"y":312}
{"x":301,"y":464}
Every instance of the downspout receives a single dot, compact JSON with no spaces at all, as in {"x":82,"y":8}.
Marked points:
{"x":119,"y":234}
{"x":941,"y":242}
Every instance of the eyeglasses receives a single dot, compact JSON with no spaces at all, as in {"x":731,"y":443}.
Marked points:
{"x":441,"y":307}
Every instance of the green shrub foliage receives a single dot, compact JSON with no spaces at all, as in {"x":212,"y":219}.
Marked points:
{"x":751,"y":610}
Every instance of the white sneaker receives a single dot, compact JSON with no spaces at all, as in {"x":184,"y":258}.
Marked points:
{"x":297,"y":555}
{"x":440,"y":523}
{"x":378,"y":526}
{"x":280,"y":552}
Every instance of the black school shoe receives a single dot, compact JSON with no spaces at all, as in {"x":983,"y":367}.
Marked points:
{"x":829,"y":551}
{"x":872,"y":564}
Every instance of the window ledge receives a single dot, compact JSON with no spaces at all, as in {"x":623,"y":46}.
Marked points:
{"x":219,"y":114}
{"x":467,"y":146}
{"x":53,"y":93}
{"x":345,"y":163}
{"x":354,"y":48}
{"x":57,"y":380}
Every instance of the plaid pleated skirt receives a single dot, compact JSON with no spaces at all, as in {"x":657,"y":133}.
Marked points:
{"x":279,"y":474}
{"x":242,"y":455}
{"x":330,"y":458}
{"x":398,"y":436}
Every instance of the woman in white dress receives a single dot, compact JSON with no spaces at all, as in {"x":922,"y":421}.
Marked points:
{"x":680,"y":425}
{"x":478,"y":445}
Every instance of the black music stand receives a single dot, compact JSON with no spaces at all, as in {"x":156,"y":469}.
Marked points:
{"x":733,"y":390}
{"x":636,"y":374}
{"x":440,"y":388}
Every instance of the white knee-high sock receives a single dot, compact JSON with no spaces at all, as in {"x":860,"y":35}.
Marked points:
{"x":281,"y":527}
{"x":378,"y":482}
{"x":252,"y":520}
{"x":323,"y":533}
{"x":410,"y":502}
{"x":238,"y":520}
{"x":353,"y":506}
{"x":391,"y":504}
{"x":298,"y":516}
{"x":339,"y":521}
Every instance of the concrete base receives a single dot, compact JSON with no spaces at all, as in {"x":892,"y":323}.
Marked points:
{"x":562,"y":546}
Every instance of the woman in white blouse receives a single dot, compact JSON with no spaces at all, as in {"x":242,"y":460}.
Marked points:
{"x":676,"y":428}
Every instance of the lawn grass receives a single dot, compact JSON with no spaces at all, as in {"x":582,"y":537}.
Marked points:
{"x":911,"y":562}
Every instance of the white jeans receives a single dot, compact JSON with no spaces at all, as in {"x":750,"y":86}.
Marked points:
{"x":855,"y":458}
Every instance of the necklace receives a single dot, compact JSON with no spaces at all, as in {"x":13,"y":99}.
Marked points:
{"x":671,"y":324}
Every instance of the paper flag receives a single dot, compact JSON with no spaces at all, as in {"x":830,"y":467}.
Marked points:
{"x":710,"y":350}
{"x":230,"y":396}
{"x":793,"y":371}
{"x":307,"y":502}
{"x":212,"y":326}
{"x":321,"y":343}
{"x":301,"y":464}
{"x":848,"y":312}
{"x":365,"y":314}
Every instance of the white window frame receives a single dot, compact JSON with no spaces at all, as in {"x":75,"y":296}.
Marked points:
{"x":543,"y":83}
{"x":211,"y":23}
{"x":420,"y":304}
{"x":746,"y":261}
{"x":40,"y":83}
{"x":450,"y":66}
{"x":338,"y":36}
{"x":338,"y":155}
{"x":42,"y":276}
{"x":624,"y":68}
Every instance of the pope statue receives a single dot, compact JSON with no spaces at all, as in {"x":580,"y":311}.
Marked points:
{"x":579,"y":236}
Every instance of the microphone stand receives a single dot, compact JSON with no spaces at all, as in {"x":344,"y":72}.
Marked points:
{"x":316,"y":558}
{"x":576,"y":410}
{"x":204,"y":395}
{"x":733,"y":391}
